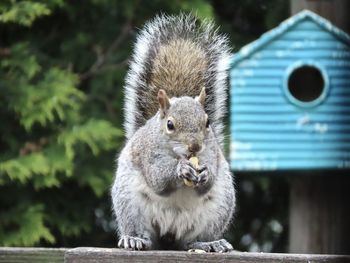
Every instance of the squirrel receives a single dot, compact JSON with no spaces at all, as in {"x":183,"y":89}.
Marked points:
{"x":175,"y":93}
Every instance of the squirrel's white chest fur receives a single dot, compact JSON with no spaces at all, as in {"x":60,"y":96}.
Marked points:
{"x":183,"y":213}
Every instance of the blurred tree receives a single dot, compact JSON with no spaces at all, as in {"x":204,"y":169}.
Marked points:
{"x":62,"y":67}
{"x":45,"y":132}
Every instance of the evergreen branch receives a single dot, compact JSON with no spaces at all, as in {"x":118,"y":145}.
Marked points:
{"x":24,"y":12}
{"x":30,"y":228}
{"x":97,"y":134}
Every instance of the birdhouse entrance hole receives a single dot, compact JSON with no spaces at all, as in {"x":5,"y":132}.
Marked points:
{"x":306,"y":85}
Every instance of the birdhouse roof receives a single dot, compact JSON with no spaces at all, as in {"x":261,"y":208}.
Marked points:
{"x":284,"y":27}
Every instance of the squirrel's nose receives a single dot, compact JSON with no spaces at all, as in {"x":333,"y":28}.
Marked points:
{"x":194,"y":147}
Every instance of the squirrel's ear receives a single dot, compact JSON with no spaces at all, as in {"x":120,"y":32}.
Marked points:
{"x":164,"y":102}
{"x":201,"y":97}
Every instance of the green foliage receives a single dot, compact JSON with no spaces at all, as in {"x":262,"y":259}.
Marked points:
{"x":25,"y":226}
{"x":97,"y":134}
{"x":22,"y":12}
{"x":36,"y":166}
{"x":200,"y":8}
{"x":47,"y":125}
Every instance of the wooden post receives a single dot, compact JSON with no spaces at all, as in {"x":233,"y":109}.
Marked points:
{"x":320,"y":214}
{"x":336,"y":11}
{"x":319,"y":204}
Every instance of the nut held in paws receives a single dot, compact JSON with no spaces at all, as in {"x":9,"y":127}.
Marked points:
{"x":195,"y":162}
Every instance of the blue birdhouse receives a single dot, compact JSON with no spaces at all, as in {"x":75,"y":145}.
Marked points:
{"x":290,"y":98}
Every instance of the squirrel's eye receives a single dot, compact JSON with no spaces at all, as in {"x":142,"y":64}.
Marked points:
{"x":207,"y":124}
{"x":170,"y":125}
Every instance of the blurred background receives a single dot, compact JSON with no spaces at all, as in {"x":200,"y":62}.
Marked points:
{"x":62,"y":69}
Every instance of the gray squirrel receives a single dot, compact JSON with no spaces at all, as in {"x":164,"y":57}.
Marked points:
{"x":175,"y":103}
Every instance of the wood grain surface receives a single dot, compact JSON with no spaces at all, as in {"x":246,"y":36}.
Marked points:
{"x":94,"y":255}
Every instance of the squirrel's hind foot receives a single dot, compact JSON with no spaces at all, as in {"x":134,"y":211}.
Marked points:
{"x":213,"y":246}
{"x":134,"y":243}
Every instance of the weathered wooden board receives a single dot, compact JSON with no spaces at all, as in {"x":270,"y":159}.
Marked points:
{"x":33,"y":255}
{"x":94,"y":255}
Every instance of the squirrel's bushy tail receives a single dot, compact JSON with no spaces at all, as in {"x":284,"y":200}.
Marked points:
{"x":180,"y":55}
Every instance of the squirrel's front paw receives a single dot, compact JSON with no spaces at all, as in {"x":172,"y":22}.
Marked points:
{"x":134,"y":243}
{"x":214,"y":246}
{"x":185,"y":170}
{"x":203,"y":175}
